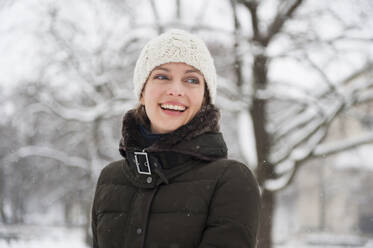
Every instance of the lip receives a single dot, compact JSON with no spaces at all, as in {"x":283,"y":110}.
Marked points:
{"x":174,"y":103}
{"x":170,"y":112}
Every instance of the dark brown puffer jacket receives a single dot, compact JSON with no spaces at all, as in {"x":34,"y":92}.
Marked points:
{"x":200,"y":200}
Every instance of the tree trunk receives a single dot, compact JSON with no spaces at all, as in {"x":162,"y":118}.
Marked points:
{"x":178,"y":10}
{"x":323,"y":199}
{"x":87,"y":225}
{"x":265,"y":228}
{"x":87,"y":206}
{"x":3,"y":217}
{"x":263,"y":145}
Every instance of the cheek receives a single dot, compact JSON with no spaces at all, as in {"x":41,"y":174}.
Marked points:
{"x":197,"y":101}
{"x":150,"y":95}
{"x":200,"y":96}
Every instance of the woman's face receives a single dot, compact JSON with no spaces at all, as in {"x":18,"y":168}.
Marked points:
{"x":172,"y":96}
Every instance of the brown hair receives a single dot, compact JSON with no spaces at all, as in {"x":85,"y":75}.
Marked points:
{"x":142,"y":117}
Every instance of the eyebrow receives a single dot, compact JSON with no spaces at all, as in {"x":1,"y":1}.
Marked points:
{"x":190,"y":71}
{"x":162,"y":69}
{"x":187,"y":71}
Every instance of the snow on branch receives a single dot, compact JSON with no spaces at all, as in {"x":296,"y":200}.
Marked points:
{"x":47,"y":152}
{"x":293,"y":165}
{"x":365,"y":96}
{"x":331,"y":86}
{"x":302,"y":152}
{"x":280,"y":118}
{"x":252,"y":6}
{"x":302,"y":136}
{"x":357,"y":93}
{"x":343,"y":103}
{"x":280,"y":20}
{"x":301,"y":119}
{"x":356,"y":74}
{"x":293,"y":156}
{"x":88,"y":114}
{"x":340,"y":146}
{"x":287,"y":169}
{"x":287,"y":95}
{"x":280,"y":183}
{"x":228,"y":91}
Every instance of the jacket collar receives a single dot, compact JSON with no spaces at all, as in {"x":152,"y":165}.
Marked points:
{"x":194,"y":143}
{"x":199,"y":138}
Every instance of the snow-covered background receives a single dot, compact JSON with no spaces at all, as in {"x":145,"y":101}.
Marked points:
{"x":65,"y":81}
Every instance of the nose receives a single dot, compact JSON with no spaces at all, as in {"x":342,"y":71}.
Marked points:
{"x":176,"y":88}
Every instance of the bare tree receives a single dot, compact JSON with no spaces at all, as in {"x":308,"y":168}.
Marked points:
{"x":291,"y":129}
{"x":69,"y":109}
{"x":83,"y":88}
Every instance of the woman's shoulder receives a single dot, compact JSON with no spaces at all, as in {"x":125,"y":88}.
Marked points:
{"x":234,"y":172}
{"x":232,"y":167}
{"x":112,"y":172}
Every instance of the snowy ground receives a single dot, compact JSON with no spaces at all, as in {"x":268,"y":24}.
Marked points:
{"x":41,"y":237}
{"x":326,"y":240}
{"x":62,"y":237}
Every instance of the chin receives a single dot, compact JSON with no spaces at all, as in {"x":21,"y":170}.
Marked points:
{"x":172,"y":128}
{"x":165,"y":126}
{"x":164,"y":130}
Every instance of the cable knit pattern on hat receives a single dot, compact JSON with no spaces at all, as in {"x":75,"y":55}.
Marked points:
{"x":175,"y":46}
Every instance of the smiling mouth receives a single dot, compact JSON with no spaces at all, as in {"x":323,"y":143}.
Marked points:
{"x":170,"y":107}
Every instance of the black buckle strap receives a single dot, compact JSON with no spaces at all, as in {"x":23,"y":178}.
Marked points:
{"x":142,"y":163}
{"x":146,"y":164}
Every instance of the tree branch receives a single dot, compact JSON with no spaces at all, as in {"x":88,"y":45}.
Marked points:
{"x":87,"y":114}
{"x":312,"y":129}
{"x":47,"y":152}
{"x":341,"y":146}
{"x":252,"y":6}
{"x":277,"y":24}
{"x":320,"y":151}
{"x":368,"y":68}
{"x":309,"y":131}
{"x":358,"y":95}
{"x":156,"y":17}
{"x":72,"y":57}
{"x":322,"y":73}
{"x":236,"y":45}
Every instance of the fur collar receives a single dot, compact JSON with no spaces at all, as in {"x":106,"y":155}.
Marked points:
{"x":200,"y":137}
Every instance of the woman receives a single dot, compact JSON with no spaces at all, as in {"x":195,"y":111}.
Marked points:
{"x":175,"y":188}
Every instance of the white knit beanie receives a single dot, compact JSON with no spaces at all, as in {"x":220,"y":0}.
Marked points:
{"x":175,"y":46}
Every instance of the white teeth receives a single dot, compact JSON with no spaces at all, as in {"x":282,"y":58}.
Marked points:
{"x":173,"y":107}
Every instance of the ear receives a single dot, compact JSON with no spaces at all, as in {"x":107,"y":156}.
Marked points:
{"x":206,"y":96}
{"x":142,"y":99}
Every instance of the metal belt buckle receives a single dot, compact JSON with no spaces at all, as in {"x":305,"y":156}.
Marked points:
{"x":142,"y":163}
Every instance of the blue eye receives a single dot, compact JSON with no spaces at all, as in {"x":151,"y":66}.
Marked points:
{"x":193,"y":80}
{"x":160,"y":77}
